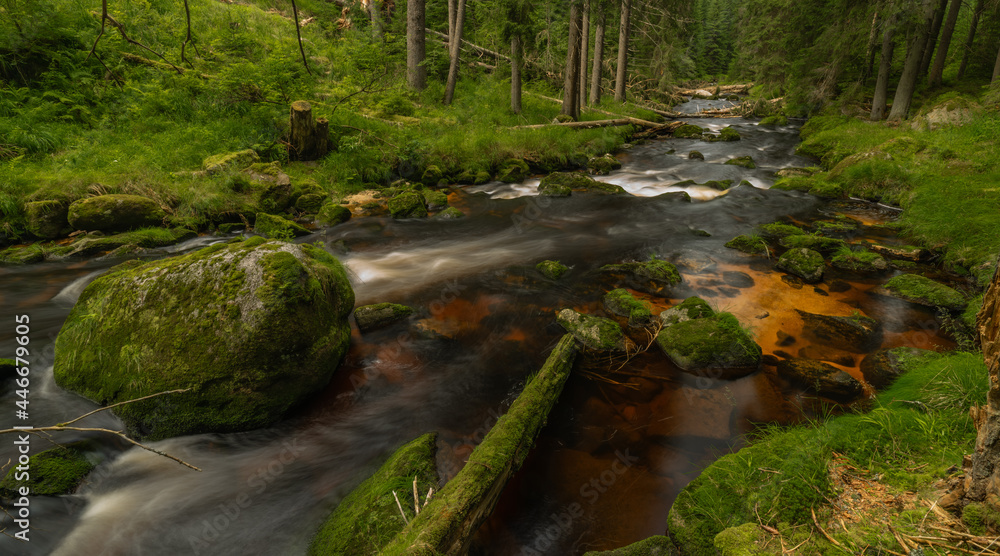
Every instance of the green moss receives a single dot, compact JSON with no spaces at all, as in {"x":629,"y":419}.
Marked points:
{"x":114,"y":213}
{"x":17,"y":255}
{"x":553,"y":270}
{"x":561,"y":184}
{"x":714,"y":342}
{"x":251,"y":327}
{"x":435,"y":199}
{"x":718,"y":185}
{"x":842,"y":225}
{"x":229,"y":161}
{"x":272,"y":169}
{"x":689,"y":131}
{"x":753,"y":245}
{"x":148,"y":238}
{"x":971,"y":311}
{"x":696,"y":155}
{"x":370,"y":317}
{"x":596,"y":333}
{"x":744,"y":161}
{"x":47,"y":219}
{"x":725,"y":134}
{"x":53,"y":472}
{"x":514,"y":170}
{"x":779,"y":230}
{"x":310,"y":203}
{"x":654,"y":272}
{"x":450,"y":213}
{"x":408,"y":205}
{"x":772,"y":121}
{"x":432,"y":175}
{"x":276,"y":227}
{"x":804,"y":263}
{"x":816,"y":243}
{"x":653,"y":546}
{"x":918,"y":289}
{"x":746,"y":540}
{"x":861,"y":260}
{"x":332,"y":214}
{"x":368,"y":518}
{"x":307,"y":186}
{"x":622,"y":303}
{"x":603,"y":165}
{"x":691,"y":308}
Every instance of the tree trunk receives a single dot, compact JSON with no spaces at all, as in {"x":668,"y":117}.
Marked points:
{"x":870,"y":52}
{"x":983,"y":481}
{"x":911,"y":68}
{"x":515,"y":74}
{"x":972,"y":37}
{"x":584,"y":52}
{"x":454,"y":45}
{"x":595,"y":79}
{"x":884,"y":67}
{"x":937,"y":70}
{"x":925,"y":62}
{"x":416,"y":51}
{"x":571,"y":92}
{"x":376,"y":17}
{"x":309,"y":139}
{"x":623,"y":32}
{"x":996,"y":69}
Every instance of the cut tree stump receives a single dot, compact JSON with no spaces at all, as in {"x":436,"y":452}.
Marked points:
{"x":309,"y":139}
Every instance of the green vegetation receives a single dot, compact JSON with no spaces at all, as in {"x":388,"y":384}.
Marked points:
{"x":783,"y":474}
{"x":804,"y":263}
{"x":55,"y":471}
{"x":622,"y":303}
{"x":918,"y":289}
{"x":597,"y":333}
{"x":709,"y":341}
{"x":752,"y":244}
{"x":553,"y":270}
{"x":861,"y":260}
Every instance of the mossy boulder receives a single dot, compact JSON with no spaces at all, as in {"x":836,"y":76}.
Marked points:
{"x":450,"y":213}
{"x":432,"y":175}
{"x":276,"y":227}
{"x":822,"y":378}
{"x":804,"y":263}
{"x":861,"y":260}
{"x":252,"y":328}
{"x":310,"y":202}
{"x":883,"y":367}
{"x":597,"y":333}
{"x":815,"y":243}
{"x":47,"y":219}
{"x":718,"y":185}
{"x":696,"y":155}
{"x":22,"y":254}
{"x":273,"y":198}
{"x":514,"y":170}
{"x":116,"y":213}
{"x":725,"y":134}
{"x":689,"y":131}
{"x":753,"y":245}
{"x":372,"y":317}
{"x":653,"y":276}
{"x":332,"y":214}
{"x":744,"y":161}
{"x":561,"y":184}
{"x":924,"y":291}
{"x":54,"y":471}
{"x":368,"y":518}
{"x":858,"y":332}
{"x":553,"y":270}
{"x":148,"y":238}
{"x":307,"y":186}
{"x":435,"y":200}
{"x":653,"y":546}
{"x":409,"y":204}
{"x":689,"y":309}
{"x":603,"y":165}
{"x":715,"y":345}
{"x":773,"y":121}
{"x":227,"y":162}
{"x":622,"y":303}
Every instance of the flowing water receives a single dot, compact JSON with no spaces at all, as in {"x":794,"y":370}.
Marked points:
{"x":613,"y":456}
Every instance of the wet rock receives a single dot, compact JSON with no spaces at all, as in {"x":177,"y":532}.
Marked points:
{"x":372,"y":317}
{"x":752,"y":245}
{"x":561,"y":184}
{"x":653,"y":276}
{"x":332,"y":214}
{"x":603,"y":165}
{"x":694,"y":261}
{"x":774,"y":121}
{"x":821,"y":378}
{"x":924,"y":291}
{"x":700,"y":233}
{"x":675,"y":196}
{"x":514,"y":170}
{"x":804,"y":263}
{"x":815,"y":243}
{"x":785,"y":339}
{"x":793,"y":281}
{"x":857,"y":333}
{"x":906,"y":253}
{"x":725,"y":134}
{"x":93,"y":243}
{"x":116,"y":213}
{"x":409,"y":204}
{"x":435,"y":200}
{"x":252,"y":327}
{"x":553,"y":270}
{"x":273,"y":198}
{"x":859,"y":261}
{"x":840,"y":226}
{"x":744,"y":161}
{"x":737,"y":279}
{"x":623,"y":304}
{"x":794,"y":172}
{"x":715,"y":345}
{"x":695,"y":155}
{"x":769,"y":360}
{"x":276,"y":227}
{"x":689,"y":309}
{"x":47,"y":219}
{"x":233,"y":161}
{"x":689,"y":131}
{"x":839,"y":286}
{"x":450,"y":213}
{"x":718,"y":185}
{"x":883,"y":367}
{"x":596,"y":333}
{"x":820,"y":291}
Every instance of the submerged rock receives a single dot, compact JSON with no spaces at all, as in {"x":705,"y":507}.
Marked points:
{"x":116,"y":213}
{"x":804,"y":263}
{"x":779,"y":230}
{"x":857,"y":333}
{"x":821,"y":378}
{"x":251,"y":327}
{"x":924,"y":291}
{"x":450,"y":213}
{"x":653,"y":276}
{"x":883,"y":367}
{"x":752,"y":245}
{"x":695,"y":155}
{"x":906,"y":253}
{"x":371,"y":317}
{"x":596,"y":333}
{"x":689,"y":131}
{"x":553,"y":270}
{"x":622,"y":303}
{"x":717,"y":343}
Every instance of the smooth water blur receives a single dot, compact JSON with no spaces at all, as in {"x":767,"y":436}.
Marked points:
{"x":614,"y":454}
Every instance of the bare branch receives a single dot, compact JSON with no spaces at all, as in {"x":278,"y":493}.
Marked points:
{"x":112,"y":406}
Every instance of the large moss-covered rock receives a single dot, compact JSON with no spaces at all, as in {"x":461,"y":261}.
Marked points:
{"x":274,"y":197}
{"x":276,"y":227}
{"x":725,"y":134}
{"x":368,"y":518}
{"x":22,"y":254}
{"x":821,"y":378}
{"x":716,"y":344}
{"x":435,"y":200}
{"x":653,"y":276}
{"x":53,"y":472}
{"x":432,"y":175}
{"x":230,"y":161}
{"x":310,"y":202}
{"x":409,"y":204}
{"x":251,"y":327}
{"x":653,"y":546}
{"x":371,"y":317}
{"x":332,"y":214}
{"x":804,"y":263}
{"x":596,"y":333}
{"x":116,"y":213}
{"x":146,"y":238}
{"x":47,"y":219}
{"x":603,"y":165}
{"x":744,"y":161}
{"x":514,"y":170}
{"x":622,"y":303}
{"x":857,"y":332}
{"x":924,"y":291}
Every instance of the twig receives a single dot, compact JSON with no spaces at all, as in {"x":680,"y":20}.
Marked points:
{"x":427,"y":500}
{"x":400,"y":506}
{"x":828,"y":537}
{"x":119,"y":434}
{"x":416,"y":497}
{"x":298,"y":34}
{"x":112,"y":406}
{"x":106,"y":18}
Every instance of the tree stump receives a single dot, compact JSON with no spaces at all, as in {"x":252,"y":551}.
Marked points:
{"x":309,"y":138}
{"x":983,"y":482}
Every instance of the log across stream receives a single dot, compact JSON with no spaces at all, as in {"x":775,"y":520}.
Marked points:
{"x":612,"y":457}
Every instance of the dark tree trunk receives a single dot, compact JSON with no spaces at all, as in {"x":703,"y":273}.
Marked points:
{"x":937,"y":70}
{"x":996,"y":68}
{"x":911,"y":68}
{"x":515,"y":74}
{"x":309,"y":138}
{"x":884,"y":67}
{"x":595,"y":79}
{"x":623,"y":33}
{"x":983,"y":481}
{"x":971,"y":38}
{"x":584,"y":52}
{"x":454,"y":45}
{"x":925,"y":62}
{"x":870,"y":52}
{"x":571,"y":91}
{"x":416,"y":50}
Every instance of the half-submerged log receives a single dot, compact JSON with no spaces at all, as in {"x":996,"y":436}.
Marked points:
{"x":447,"y":524}
{"x":309,"y":139}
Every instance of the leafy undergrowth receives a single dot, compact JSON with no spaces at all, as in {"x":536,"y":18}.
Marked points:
{"x":864,"y":475}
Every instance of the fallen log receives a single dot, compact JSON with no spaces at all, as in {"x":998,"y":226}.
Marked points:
{"x":474,"y":47}
{"x":725,"y":89}
{"x":594,"y":124}
{"x":637,"y":121}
